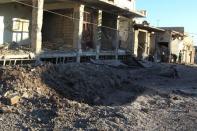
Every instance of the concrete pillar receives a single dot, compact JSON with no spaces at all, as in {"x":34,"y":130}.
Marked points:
{"x":99,"y":34}
{"x":148,"y":43}
{"x":170,"y":47}
{"x":117,"y":36}
{"x":135,"y":43}
{"x":37,"y":20}
{"x":78,"y":29}
{"x":130,"y":35}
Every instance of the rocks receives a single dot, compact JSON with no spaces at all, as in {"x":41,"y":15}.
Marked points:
{"x":170,"y":72}
{"x":13,"y":100}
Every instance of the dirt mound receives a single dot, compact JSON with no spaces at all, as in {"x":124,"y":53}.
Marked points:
{"x":85,"y":83}
{"x":91,"y":97}
{"x":91,"y":84}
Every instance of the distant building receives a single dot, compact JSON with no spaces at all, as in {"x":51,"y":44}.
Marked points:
{"x":175,"y":42}
{"x":144,"y":40}
{"x":195,"y":54}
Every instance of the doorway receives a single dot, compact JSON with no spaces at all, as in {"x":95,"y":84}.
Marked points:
{"x":87,"y":35}
{"x":164,"y":51}
{"x":141,"y":45}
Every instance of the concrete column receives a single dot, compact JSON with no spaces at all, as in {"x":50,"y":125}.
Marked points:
{"x":117,"y":36}
{"x":37,"y":20}
{"x":78,"y":29}
{"x":170,"y":47}
{"x":99,"y":34}
{"x":135,"y":43}
{"x":148,"y":43}
{"x":130,"y":35}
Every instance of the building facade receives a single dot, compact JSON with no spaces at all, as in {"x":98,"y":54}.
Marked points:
{"x":173,"y":42}
{"x":76,"y":28}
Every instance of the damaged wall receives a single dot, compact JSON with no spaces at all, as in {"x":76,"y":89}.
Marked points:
{"x":152,"y":44}
{"x":124,"y":32}
{"x":176,"y":46}
{"x":109,"y":36}
{"x":188,"y":50}
{"x":58,"y":30}
{"x":17,"y":31}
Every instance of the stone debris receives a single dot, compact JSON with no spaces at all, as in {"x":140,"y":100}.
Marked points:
{"x":91,"y":97}
{"x":14,"y":100}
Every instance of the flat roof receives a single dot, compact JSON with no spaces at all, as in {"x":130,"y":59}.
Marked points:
{"x":148,"y":28}
{"x":107,"y":7}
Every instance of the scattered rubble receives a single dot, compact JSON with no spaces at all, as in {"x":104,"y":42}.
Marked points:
{"x":95,"y":97}
{"x":14,"y":50}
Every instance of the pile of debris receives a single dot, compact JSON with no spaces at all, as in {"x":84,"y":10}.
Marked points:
{"x":86,"y":83}
{"x":57,"y":45}
{"x":9,"y":50}
{"x":87,"y":96}
{"x":25,"y":89}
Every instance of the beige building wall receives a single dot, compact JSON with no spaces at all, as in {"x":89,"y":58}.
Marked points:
{"x":189,"y":50}
{"x":176,"y":46}
{"x":15,"y":20}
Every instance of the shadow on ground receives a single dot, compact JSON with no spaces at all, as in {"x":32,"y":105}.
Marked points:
{"x":91,"y":84}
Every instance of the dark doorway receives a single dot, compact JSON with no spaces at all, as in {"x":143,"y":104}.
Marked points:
{"x":164,"y":51}
{"x":88,"y":30}
{"x":57,"y":31}
{"x":141,"y":44}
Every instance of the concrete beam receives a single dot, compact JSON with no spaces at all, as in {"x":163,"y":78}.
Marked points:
{"x":37,"y":21}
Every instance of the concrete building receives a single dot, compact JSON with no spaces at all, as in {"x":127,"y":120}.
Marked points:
{"x":144,"y":41}
{"x":188,"y":50}
{"x":70,"y":28}
{"x":174,"y":42}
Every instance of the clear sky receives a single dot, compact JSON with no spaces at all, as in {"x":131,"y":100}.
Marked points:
{"x":172,"y":13}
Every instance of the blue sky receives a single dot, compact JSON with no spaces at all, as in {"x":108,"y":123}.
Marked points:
{"x":172,"y":13}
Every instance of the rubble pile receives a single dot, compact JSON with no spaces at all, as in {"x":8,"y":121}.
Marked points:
{"x":26,"y":89}
{"x":88,"y":97}
{"x":12,"y":49}
{"x":57,"y":45}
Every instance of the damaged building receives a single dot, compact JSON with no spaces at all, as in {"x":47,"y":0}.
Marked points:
{"x":162,"y":44}
{"x":61,"y":31}
{"x":144,"y":41}
{"x":67,"y":29}
{"x":174,"y":42}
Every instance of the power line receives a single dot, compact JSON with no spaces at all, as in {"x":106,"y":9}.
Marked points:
{"x":68,"y":17}
{"x":72,"y":18}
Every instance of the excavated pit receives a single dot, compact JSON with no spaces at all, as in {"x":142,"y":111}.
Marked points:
{"x":91,"y":84}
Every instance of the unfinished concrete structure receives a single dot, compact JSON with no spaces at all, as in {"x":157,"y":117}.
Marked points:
{"x":144,"y":40}
{"x":173,"y":42}
{"x":70,"y":29}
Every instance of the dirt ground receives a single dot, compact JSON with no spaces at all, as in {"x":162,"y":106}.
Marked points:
{"x":99,"y":97}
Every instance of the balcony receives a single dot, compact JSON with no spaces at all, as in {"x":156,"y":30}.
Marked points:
{"x":121,"y":7}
